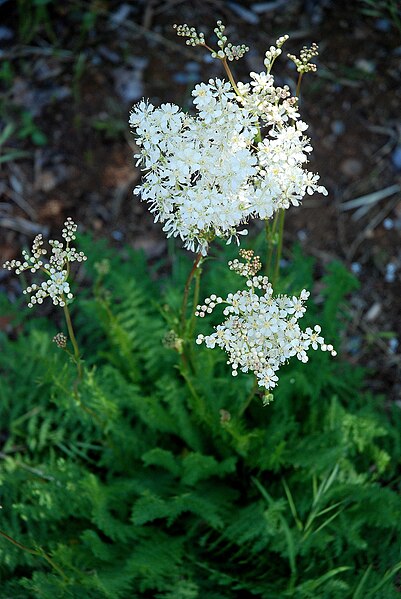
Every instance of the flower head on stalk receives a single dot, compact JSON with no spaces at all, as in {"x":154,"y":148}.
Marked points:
{"x":261,"y":332}
{"x":208,"y":174}
{"x":56,"y":268}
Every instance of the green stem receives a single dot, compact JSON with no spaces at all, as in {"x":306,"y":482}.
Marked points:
{"x":230,"y":75}
{"x":299,"y":85}
{"x":77,"y":356}
{"x":249,"y":398}
{"x":195,"y":301}
{"x":186,"y":293}
{"x":279,"y":246}
{"x":270,"y":240}
{"x":36,"y":552}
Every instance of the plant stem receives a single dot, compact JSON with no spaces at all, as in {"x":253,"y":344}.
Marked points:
{"x":270,"y":238}
{"x":186,"y":292}
{"x":195,"y":301}
{"x":37,"y":552}
{"x":249,"y":398}
{"x":298,"y":85}
{"x":77,"y":356}
{"x":230,"y":75}
{"x":279,"y":246}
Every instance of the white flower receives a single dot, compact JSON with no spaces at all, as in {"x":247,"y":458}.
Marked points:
{"x":261,"y":331}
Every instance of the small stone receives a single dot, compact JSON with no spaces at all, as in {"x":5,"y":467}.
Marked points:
{"x":356,"y":268}
{"x":117,"y":235}
{"x":391,"y":268}
{"x":388,"y":224}
{"x":373,"y":312}
{"x":338,"y":127}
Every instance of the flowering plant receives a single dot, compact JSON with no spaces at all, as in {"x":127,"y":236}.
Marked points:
{"x":206,"y":175}
{"x":242,"y":155}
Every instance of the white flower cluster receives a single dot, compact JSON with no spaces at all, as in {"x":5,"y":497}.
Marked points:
{"x":200,"y":170}
{"x":261,"y":332}
{"x":57,"y":268}
{"x":206,"y":175}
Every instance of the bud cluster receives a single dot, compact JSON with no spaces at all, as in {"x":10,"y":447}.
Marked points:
{"x":250,"y":267}
{"x":194,"y":38}
{"x":302,"y":63}
{"x":208,"y":306}
{"x":227,"y":50}
{"x":60,"y":340}
{"x":274,"y":52}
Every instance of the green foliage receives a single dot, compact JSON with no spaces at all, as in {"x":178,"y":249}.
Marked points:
{"x":141,"y":489}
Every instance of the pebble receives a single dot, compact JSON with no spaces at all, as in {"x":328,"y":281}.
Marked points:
{"x":356,"y":268}
{"x":302,"y":235}
{"x":117,"y":235}
{"x":388,"y":224}
{"x":393,"y":345}
{"x":373,"y":312}
{"x":338,"y":127}
{"x":391,"y":268}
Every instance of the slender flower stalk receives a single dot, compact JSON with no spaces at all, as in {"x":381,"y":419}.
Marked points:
{"x":77,"y":354}
{"x":37,"y":552}
{"x":249,"y":399}
{"x":183,"y":317}
{"x":281,"y":219}
{"x":271,"y":242}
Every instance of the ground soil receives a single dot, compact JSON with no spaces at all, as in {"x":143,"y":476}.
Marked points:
{"x":78,"y":82}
